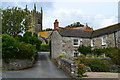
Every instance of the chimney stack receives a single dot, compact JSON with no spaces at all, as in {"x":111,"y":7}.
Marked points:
{"x":56,"y":24}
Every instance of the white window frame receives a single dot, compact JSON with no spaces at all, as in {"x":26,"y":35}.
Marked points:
{"x":78,"y":43}
{"x":92,"y":42}
{"x":103,"y":40}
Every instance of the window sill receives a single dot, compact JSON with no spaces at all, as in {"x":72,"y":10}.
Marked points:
{"x":76,"y":45}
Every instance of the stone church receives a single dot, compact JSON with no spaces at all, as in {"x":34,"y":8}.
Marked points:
{"x":36,"y":20}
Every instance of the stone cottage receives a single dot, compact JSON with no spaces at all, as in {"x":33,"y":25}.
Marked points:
{"x":67,"y":40}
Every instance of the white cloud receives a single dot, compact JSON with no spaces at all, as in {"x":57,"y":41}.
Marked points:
{"x":67,"y":17}
{"x":100,"y":21}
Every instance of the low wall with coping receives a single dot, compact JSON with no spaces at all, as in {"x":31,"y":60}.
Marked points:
{"x":68,"y":66}
{"x":17,"y":64}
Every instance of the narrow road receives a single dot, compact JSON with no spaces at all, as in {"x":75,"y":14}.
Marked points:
{"x":44,"y":68}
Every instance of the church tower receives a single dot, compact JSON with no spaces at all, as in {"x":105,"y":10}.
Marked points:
{"x":41,"y":18}
{"x":36,"y":19}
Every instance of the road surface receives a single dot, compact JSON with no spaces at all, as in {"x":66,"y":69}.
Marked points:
{"x":44,"y":68}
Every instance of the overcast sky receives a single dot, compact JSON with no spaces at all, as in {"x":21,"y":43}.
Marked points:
{"x":97,"y":14}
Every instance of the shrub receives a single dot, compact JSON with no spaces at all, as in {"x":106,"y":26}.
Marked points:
{"x":114,"y":54}
{"x":26,"y":51}
{"x":98,"y":65}
{"x":84,"y":49}
{"x":97,"y":51}
{"x":32,"y":38}
{"x":81,"y":70}
{"x":19,"y":38}
{"x":45,"y":47}
{"x":9,"y":47}
{"x":62,"y":55}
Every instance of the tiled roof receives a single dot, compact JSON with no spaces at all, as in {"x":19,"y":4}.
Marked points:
{"x":69,"y":32}
{"x":45,"y":34}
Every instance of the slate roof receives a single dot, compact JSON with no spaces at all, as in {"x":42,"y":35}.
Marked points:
{"x":106,"y":30}
{"x":68,"y":32}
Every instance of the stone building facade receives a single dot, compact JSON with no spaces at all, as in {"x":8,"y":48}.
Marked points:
{"x":36,"y":20}
{"x":66,"y":40}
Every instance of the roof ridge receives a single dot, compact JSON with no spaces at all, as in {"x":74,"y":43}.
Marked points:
{"x":107,"y":27}
{"x":73,"y":29}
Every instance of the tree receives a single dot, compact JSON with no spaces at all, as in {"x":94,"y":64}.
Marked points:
{"x":15,"y":20}
{"x":30,"y":38}
{"x":76,"y":24}
{"x":48,"y":29}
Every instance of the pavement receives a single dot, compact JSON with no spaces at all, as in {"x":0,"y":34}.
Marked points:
{"x":44,"y":68}
{"x":102,"y":76}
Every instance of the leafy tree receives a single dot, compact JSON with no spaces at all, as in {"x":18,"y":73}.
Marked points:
{"x":19,"y":38}
{"x":15,"y":20}
{"x":48,"y":29}
{"x":76,"y":24}
{"x":32,"y":38}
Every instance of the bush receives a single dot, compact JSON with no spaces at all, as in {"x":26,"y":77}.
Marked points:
{"x":98,"y":65}
{"x":81,"y":70}
{"x":97,"y":51}
{"x":32,"y":38}
{"x":26,"y":51}
{"x":19,"y":38}
{"x":9,"y":47}
{"x":45,"y":47}
{"x":62,"y":55}
{"x":84,"y":50}
{"x":114,"y":54}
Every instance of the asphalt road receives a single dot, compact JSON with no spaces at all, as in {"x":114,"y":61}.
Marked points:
{"x":44,"y":68}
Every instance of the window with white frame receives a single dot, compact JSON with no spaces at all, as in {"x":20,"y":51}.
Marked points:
{"x":76,"y":54}
{"x":76,"y":42}
{"x":92,"y":42}
{"x":104,"y":40}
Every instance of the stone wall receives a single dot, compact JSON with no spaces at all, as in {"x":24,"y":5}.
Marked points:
{"x":56,"y":44}
{"x":68,"y":65}
{"x":110,"y":41}
{"x":16,"y":64}
{"x":86,"y":42}
{"x":118,"y":39}
{"x":97,"y":42}
{"x":67,"y":46}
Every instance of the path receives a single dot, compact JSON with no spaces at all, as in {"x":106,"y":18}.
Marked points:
{"x":44,"y":68}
